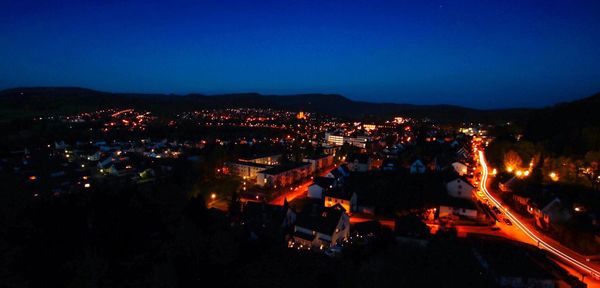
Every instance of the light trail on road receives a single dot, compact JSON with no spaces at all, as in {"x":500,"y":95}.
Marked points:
{"x":121,"y":112}
{"x":541,"y":243}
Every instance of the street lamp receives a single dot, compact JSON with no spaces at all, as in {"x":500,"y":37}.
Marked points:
{"x":213,"y":196}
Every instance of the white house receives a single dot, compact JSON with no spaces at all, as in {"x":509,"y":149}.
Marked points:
{"x":333,"y":197}
{"x":458,"y":207}
{"x":320,"y":185}
{"x":417,"y":167}
{"x":460,"y":187}
{"x":321,"y":227}
{"x":460,"y":168}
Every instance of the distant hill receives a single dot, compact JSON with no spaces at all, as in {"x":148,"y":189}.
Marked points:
{"x":567,"y":128}
{"x":33,"y":101}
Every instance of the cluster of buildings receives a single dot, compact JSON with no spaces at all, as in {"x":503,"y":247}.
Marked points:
{"x":315,"y":226}
{"x":267,"y":170}
{"x":64,"y":167}
{"x":339,"y":139}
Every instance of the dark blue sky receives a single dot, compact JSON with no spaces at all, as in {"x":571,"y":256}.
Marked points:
{"x":476,"y":53}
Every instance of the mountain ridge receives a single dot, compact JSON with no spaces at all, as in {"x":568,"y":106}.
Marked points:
{"x":43,"y":100}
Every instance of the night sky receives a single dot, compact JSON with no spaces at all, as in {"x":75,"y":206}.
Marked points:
{"x":475,"y":53}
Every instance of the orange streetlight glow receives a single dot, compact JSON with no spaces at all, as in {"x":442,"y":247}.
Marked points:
{"x":533,"y":236}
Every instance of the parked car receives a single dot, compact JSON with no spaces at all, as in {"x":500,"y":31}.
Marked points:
{"x":496,"y":210}
{"x":507,"y":221}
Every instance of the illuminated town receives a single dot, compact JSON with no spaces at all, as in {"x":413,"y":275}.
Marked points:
{"x":300,"y":144}
{"x":317,"y":184}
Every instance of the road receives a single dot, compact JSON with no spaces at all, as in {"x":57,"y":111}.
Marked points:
{"x":384,"y":222}
{"x":529,"y":235}
{"x":299,"y":192}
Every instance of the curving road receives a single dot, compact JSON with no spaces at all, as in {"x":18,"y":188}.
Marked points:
{"x":568,"y":256}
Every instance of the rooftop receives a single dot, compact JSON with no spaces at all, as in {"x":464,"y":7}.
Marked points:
{"x":320,"y":219}
{"x":339,"y":194}
{"x":284,"y":168}
{"x":259,"y":155}
{"x":238,"y":162}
